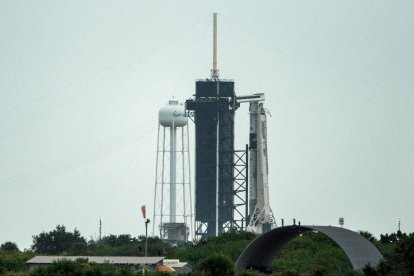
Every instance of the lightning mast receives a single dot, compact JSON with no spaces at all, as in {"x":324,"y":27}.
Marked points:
{"x":215,"y":70}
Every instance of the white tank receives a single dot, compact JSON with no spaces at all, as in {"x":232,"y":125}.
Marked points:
{"x":172,"y":114}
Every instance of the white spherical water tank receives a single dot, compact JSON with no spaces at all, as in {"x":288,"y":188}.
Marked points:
{"x":172,"y":114}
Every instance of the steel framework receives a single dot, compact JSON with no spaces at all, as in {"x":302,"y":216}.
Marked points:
{"x":240,"y":190}
{"x":213,"y":109}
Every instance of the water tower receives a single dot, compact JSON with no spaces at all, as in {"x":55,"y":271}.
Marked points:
{"x":172,"y":197}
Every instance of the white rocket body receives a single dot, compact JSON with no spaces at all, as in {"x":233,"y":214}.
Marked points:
{"x":260,"y":213}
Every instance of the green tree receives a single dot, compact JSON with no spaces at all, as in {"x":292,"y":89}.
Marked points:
{"x":156,"y":246}
{"x":14,"y":261}
{"x":312,"y":253}
{"x":125,"y":245}
{"x":59,"y":241}
{"x":404,"y":254}
{"x":400,"y":261}
{"x":120,"y":240}
{"x":9,"y":246}
{"x":81,"y":267}
{"x":368,"y":236}
{"x":230,"y":244}
{"x":216,"y":264}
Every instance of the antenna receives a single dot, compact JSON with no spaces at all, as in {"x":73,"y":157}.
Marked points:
{"x":214,"y":71}
{"x":100,"y":229}
{"x":341,"y":222}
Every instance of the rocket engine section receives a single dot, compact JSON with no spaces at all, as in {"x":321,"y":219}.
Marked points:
{"x":261,"y":216}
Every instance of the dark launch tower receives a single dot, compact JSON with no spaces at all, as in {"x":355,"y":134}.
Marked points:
{"x":213,"y":109}
{"x":219,"y":193}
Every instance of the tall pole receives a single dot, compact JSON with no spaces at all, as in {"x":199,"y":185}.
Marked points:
{"x":143,"y":210}
{"x":146,"y":237}
{"x":100,"y":229}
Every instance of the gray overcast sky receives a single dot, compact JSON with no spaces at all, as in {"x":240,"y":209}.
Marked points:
{"x":81,"y":83}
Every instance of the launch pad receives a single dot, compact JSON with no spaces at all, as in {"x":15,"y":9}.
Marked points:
{"x":221,"y":195}
{"x":231,"y":186}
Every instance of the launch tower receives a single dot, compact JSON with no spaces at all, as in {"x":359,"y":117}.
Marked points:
{"x":213,"y":109}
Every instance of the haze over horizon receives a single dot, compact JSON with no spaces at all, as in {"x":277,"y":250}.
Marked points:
{"x":81,"y":84}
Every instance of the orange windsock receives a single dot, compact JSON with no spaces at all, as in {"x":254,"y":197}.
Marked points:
{"x":143,"y":211}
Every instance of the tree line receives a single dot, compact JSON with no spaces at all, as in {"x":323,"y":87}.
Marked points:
{"x":62,"y":242}
{"x":309,"y":254}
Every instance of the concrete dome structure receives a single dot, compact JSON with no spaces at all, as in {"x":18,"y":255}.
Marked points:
{"x":260,"y":253}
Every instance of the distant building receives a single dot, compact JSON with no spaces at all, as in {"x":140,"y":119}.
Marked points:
{"x":135,"y":263}
{"x":177,"y":266}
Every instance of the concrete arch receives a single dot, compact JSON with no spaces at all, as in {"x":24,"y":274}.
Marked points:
{"x":260,"y":253}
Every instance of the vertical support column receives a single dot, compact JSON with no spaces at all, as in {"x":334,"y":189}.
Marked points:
{"x":247,"y":187}
{"x":162,"y":184}
{"x":217,"y":170}
{"x":173,"y":186}
{"x":189,"y":184}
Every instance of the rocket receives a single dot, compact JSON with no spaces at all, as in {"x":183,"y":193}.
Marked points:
{"x":260,"y":214}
